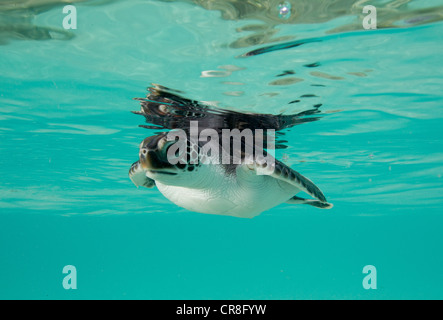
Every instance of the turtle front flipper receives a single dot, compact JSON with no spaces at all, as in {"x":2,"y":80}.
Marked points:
{"x":284,"y":173}
{"x":314,"y":203}
{"x":138,"y":176}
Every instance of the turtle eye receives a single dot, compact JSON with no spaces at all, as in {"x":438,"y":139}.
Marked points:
{"x":144,"y":151}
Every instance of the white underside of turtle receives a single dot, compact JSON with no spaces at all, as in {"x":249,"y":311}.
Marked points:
{"x":236,"y":195}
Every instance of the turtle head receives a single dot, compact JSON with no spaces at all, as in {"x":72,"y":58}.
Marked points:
{"x":160,"y":166}
{"x":153,"y":155}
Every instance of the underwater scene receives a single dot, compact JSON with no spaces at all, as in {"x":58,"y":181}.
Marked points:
{"x":229,"y":149}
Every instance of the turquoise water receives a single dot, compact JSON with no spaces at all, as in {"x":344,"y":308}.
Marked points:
{"x":68,"y":139}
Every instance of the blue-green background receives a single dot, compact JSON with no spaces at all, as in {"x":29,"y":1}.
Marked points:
{"x":67,"y":140}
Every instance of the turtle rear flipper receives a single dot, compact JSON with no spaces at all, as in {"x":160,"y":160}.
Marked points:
{"x":138,"y":176}
{"x":314,"y":203}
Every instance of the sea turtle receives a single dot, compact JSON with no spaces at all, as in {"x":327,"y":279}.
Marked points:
{"x":243,"y":190}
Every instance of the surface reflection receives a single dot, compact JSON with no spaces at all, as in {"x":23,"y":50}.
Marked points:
{"x":272,"y":13}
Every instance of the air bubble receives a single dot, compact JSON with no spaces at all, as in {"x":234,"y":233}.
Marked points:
{"x":284,"y":10}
